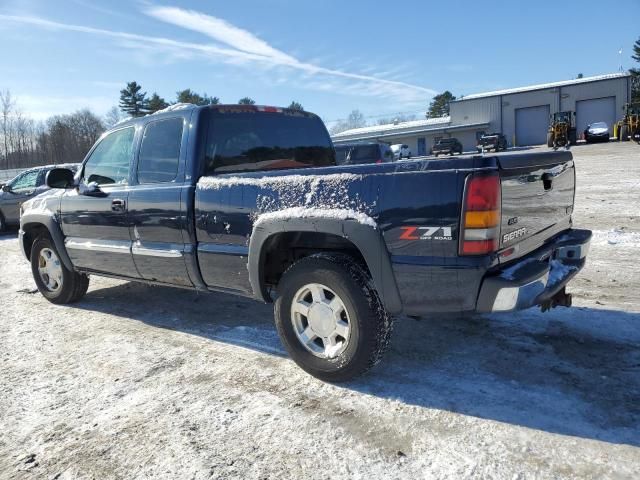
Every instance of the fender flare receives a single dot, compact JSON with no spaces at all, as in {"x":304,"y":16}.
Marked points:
{"x":49,"y":222}
{"x":367,"y":240}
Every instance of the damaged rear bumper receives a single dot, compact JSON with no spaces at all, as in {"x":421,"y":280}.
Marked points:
{"x":537,"y":279}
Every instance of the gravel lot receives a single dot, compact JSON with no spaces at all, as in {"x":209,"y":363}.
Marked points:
{"x":138,"y":381}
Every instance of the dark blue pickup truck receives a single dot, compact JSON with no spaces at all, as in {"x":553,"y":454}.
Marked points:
{"x":248,"y":200}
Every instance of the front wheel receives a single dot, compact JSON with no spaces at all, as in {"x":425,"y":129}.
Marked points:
{"x":55,"y":282}
{"x":330,"y":318}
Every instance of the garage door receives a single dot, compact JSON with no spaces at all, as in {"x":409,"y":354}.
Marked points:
{"x":531,"y":125}
{"x":596,"y":110}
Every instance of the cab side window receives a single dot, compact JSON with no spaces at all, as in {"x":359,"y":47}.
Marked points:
{"x":109,"y":162}
{"x":25,"y":182}
{"x":160,"y":151}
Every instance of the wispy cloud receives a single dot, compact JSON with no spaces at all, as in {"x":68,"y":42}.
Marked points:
{"x":219,"y":30}
{"x":239,"y":47}
{"x":246,"y":42}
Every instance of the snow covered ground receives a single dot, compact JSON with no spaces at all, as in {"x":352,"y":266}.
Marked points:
{"x":139,"y":382}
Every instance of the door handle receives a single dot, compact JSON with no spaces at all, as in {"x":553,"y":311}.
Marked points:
{"x":118,"y":205}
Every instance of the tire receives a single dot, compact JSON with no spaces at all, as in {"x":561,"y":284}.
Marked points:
{"x":362,"y":319}
{"x":573,"y":139}
{"x":624,"y":133}
{"x":550,"y":140}
{"x":3,"y":224}
{"x":55,"y":282}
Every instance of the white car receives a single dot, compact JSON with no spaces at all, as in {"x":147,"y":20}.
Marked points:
{"x":400,"y":151}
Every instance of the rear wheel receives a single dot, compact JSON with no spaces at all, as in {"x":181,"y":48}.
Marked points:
{"x":55,"y":282}
{"x":550,"y":140}
{"x":330,"y":318}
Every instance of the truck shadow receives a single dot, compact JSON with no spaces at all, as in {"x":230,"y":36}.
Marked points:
{"x":570,"y":371}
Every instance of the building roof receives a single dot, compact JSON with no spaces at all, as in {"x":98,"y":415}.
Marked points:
{"x":544,"y":86}
{"x":394,"y":128}
{"x":416,"y":128}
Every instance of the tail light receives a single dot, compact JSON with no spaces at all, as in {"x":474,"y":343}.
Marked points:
{"x":379,"y":160}
{"x":480,"y":224}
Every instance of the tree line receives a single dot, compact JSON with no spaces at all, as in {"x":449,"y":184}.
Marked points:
{"x":59,"y":139}
{"x":136,"y":103}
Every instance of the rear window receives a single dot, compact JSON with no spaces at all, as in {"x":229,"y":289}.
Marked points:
{"x":364,"y":153}
{"x":240,"y":140}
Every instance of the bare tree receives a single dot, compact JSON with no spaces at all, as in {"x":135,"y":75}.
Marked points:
{"x":355,"y":120}
{"x":6,"y":104}
{"x":112,"y":117}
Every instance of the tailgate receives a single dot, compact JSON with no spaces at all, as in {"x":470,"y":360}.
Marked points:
{"x":537,"y":198}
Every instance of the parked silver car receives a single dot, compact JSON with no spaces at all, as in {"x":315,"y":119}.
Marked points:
{"x":24,"y":186}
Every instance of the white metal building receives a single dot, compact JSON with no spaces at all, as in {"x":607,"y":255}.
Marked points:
{"x":522,"y":114}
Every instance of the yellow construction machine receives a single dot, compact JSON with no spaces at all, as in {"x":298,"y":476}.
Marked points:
{"x":629,"y":127}
{"x":562,"y":130}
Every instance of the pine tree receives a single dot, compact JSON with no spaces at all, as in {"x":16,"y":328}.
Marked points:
{"x":156,"y":103}
{"x":635,"y":74}
{"x":439,"y":106}
{"x":132,"y":101}
{"x":296,"y":106}
{"x":189,"y":96}
{"x":246,"y":101}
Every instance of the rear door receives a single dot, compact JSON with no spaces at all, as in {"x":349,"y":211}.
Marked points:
{"x":537,"y":198}
{"x":157,"y":206}
{"x":95,"y":221}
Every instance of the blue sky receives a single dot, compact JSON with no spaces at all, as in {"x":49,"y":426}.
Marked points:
{"x":332,"y":56}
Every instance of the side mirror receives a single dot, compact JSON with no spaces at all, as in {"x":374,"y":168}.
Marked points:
{"x":91,"y":189}
{"x":6,"y":188}
{"x":59,"y":178}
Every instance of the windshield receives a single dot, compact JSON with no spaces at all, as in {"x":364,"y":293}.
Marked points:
{"x":599,"y":125}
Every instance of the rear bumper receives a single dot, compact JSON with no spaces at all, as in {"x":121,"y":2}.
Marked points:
{"x":536,"y":278}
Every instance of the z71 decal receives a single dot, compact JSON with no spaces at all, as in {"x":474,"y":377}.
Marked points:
{"x":426,"y":233}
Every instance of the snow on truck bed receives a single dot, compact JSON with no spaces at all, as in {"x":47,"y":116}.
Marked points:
{"x":301,"y":196}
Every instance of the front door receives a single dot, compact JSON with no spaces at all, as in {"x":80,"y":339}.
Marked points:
{"x":422,"y":147}
{"x":94,"y":216}
{"x":158,"y":203}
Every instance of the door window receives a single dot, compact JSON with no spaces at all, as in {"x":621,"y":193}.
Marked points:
{"x":160,"y":151}
{"x":24,"y":182}
{"x":109,"y":162}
